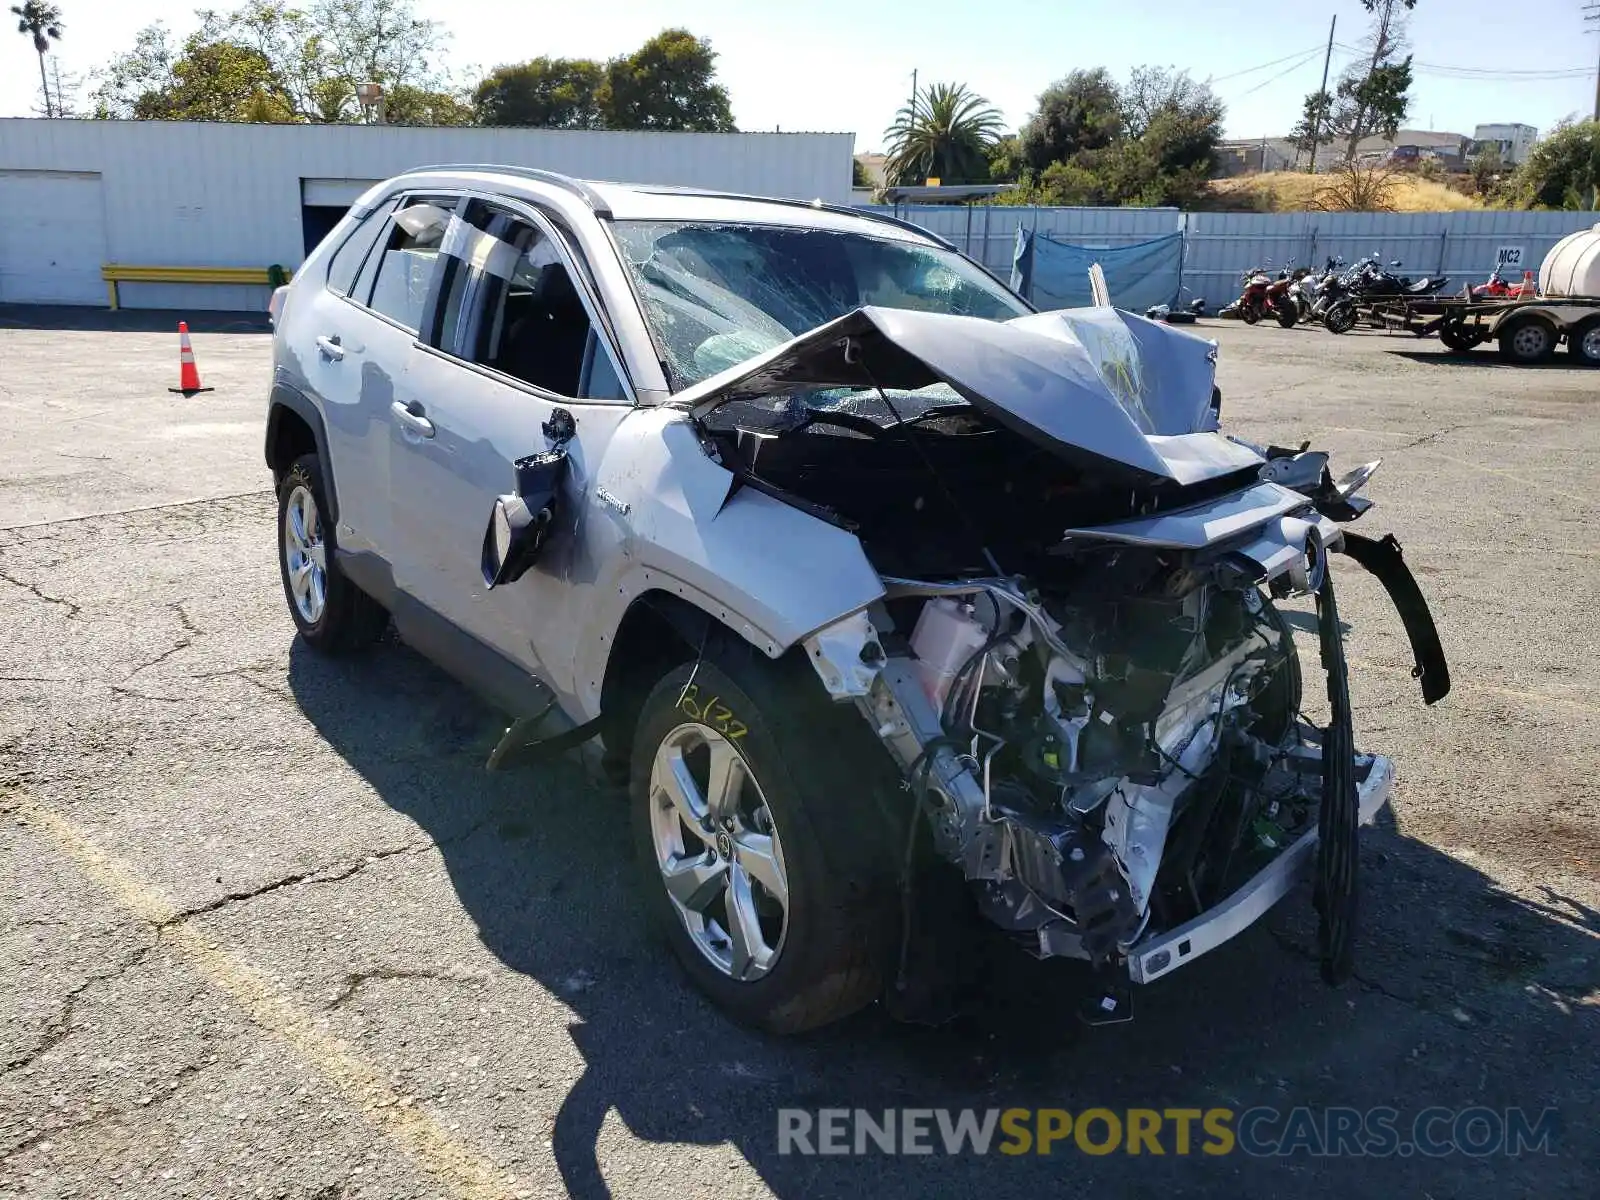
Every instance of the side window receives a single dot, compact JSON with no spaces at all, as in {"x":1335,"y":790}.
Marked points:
{"x":508,"y":302}
{"x":347,"y":259}
{"x":406,"y":258}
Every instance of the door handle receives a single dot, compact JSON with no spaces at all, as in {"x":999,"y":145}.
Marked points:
{"x":412,"y":418}
{"x":328,"y":346}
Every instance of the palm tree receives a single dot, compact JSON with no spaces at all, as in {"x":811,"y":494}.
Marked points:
{"x":944,"y":132}
{"x":42,"y":22}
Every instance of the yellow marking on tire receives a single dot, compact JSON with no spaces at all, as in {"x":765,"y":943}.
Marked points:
{"x":463,"y":1170}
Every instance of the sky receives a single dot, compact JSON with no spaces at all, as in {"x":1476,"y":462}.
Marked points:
{"x":845,"y":65}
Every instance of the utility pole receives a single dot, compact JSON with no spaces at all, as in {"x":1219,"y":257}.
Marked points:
{"x":913,"y":92}
{"x":1594,"y":15}
{"x":1316,"y":117}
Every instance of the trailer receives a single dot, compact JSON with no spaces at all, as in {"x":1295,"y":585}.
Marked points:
{"x":1526,"y":330}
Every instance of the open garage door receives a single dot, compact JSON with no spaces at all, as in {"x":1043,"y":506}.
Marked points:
{"x":52,"y":237}
{"x":323,"y":202}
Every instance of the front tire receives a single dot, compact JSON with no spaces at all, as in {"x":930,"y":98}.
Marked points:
{"x":1341,"y":318}
{"x":1287,"y":316}
{"x":765,"y":858}
{"x":331,"y":613}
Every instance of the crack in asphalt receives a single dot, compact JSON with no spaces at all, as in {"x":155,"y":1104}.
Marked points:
{"x":356,"y":980}
{"x":59,"y":1026}
{"x":1432,"y":437}
{"x":328,"y":873}
{"x":33,"y":589}
{"x":71,"y":1128}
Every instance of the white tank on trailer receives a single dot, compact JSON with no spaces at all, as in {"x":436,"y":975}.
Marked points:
{"x":1572,"y":268}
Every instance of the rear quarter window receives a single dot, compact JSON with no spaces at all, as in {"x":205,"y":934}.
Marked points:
{"x":347,"y":259}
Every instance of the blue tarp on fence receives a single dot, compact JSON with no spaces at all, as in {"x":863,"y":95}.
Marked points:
{"x":1054,"y":274}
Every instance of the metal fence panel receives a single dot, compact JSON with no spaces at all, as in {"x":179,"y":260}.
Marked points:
{"x":1219,"y":246}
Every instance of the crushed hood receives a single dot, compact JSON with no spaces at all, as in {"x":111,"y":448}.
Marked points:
{"x":1087,"y":384}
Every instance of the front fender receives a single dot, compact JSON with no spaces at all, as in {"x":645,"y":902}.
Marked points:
{"x":660,"y":517}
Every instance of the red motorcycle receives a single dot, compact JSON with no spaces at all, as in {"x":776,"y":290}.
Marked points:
{"x":1264,"y":296}
{"x":1496,"y":288}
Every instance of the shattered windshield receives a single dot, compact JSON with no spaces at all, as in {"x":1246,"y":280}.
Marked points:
{"x":715,"y":295}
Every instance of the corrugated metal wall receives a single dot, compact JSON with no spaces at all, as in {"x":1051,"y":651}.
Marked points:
{"x":1462,"y":245}
{"x":198,"y":194}
{"x":1219,"y":246}
{"x":988,"y":233}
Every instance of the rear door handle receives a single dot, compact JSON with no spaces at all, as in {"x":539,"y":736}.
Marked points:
{"x":328,"y":346}
{"x":412,"y":419}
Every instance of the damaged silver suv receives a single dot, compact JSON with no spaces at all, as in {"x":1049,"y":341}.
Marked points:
{"x":894,"y":602}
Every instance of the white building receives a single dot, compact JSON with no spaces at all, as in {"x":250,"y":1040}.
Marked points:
{"x":77,"y":194}
{"x":1515,"y":141}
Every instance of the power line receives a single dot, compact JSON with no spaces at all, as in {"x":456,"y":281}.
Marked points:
{"x":1303,"y":61}
{"x":1262,"y":66}
{"x":1484,"y":73}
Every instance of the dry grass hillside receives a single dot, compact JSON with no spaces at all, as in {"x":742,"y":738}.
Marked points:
{"x":1289,"y":191}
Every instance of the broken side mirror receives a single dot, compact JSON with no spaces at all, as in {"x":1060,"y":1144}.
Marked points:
{"x":520,"y":523}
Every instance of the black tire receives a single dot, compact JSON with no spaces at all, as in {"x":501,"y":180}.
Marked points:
{"x":1583,"y":343}
{"x":1529,"y":340}
{"x":1249,"y":314}
{"x":350,"y":619}
{"x":1287,"y":316}
{"x":1458,"y":340}
{"x":822,"y":777}
{"x":1341,"y":318}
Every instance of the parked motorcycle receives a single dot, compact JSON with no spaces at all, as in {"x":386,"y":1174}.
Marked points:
{"x":1308,"y":290}
{"x":1496,"y":288}
{"x":1264,"y":296}
{"x":1368,"y":283}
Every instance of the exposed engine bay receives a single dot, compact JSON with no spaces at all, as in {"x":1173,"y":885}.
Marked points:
{"x":1081,"y":663}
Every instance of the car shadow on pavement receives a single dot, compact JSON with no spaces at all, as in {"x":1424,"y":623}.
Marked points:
{"x":1488,"y":356}
{"x":129,"y":320}
{"x":1458,"y":982}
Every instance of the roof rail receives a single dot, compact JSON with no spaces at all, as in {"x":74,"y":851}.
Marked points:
{"x":576,"y":186}
{"x":821,"y":205}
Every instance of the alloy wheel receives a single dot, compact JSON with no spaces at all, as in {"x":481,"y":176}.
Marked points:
{"x":305,"y":555}
{"x":718,"y":851}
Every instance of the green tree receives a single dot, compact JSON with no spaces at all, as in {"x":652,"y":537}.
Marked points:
{"x":41,"y":22}
{"x":267,"y":61}
{"x":944,"y":133}
{"x":552,"y":93}
{"x":1313,"y":130}
{"x":860,"y":177}
{"x":1563,"y":170}
{"x":668,"y":83}
{"x":1372,"y":96}
{"x":1485,"y":167}
{"x":1005,"y":160}
{"x":1081,"y":112}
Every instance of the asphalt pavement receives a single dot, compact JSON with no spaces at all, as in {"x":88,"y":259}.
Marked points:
{"x":267,"y":928}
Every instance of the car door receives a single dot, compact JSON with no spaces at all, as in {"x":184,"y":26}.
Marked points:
{"x":362,"y":329}
{"x":512,"y":339}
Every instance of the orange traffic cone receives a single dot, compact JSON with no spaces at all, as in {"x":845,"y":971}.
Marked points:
{"x":1530,"y":289}
{"x":188,"y":373}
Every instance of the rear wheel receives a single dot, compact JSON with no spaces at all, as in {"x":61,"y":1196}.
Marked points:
{"x":331,"y":613}
{"x":1529,"y":340}
{"x":1249,"y":314}
{"x":763,"y":851}
{"x":1287,"y":315}
{"x":1584,"y":342}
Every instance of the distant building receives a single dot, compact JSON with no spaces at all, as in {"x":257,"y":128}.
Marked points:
{"x":1250,"y":155}
{"x":1411,"y":147}
{"x":1514,"y":141}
